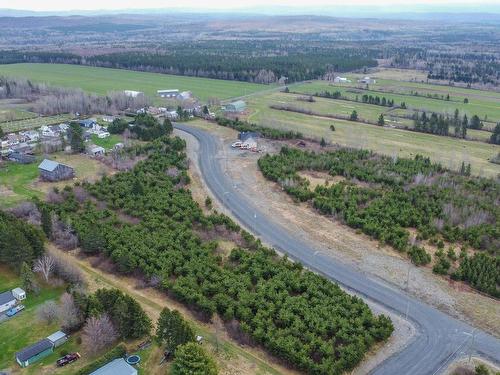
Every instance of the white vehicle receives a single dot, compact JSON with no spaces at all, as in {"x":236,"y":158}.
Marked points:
{"x":237,"y":144}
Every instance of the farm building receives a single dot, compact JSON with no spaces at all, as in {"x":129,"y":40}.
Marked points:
{"x":116,"y":367}
{"x":169,"y":93}
{"x":53,"y":171}
{"x":21,"y":158}
{"x":132,"y":93}
{"x":34,"y":352}
{"x":58,"y":338}
{"x":185,"y":95}
{"x":96,"y":151}
{"x":367,"y":80}
{"x":237,"y":106}
{"x":7,"y":301}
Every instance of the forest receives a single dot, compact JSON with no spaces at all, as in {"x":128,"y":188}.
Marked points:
{"x":295,"y":314}
{"x":385,"y":197}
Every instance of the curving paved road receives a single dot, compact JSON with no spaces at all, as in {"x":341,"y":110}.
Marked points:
{"x":439,"y":339}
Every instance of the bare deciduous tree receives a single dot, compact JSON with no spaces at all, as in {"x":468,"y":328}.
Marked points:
{"x":47,"y":312}
{"x":69,"y":314}
{"x":98,"y":333}
{"x":45,"y":265}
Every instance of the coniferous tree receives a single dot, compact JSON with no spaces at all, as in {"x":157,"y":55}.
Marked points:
{"x":172,"y":330}
{"x":381,"y":120}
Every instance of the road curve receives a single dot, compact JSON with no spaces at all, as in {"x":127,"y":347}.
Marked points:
{"x":439,"y":338}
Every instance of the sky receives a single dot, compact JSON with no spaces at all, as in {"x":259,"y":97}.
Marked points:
{"x":65,"y":5}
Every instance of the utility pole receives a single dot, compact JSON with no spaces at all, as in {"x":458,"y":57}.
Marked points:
{"x":472,"y":344}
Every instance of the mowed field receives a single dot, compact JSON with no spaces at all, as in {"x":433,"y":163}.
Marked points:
{"x":103,"y":80}
{"x":390,"y":141}
{"x":485,"y":104}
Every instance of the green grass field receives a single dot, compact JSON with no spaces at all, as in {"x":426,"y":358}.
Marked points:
{"x":108,"y":142}
{"x":14,"y":114}
{"x":485,"y":104}
{"x":103,"y":80}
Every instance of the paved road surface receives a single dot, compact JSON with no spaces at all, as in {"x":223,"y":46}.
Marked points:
{"x":440,"y":338}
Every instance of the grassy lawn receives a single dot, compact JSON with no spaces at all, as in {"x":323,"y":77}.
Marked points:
{"x":33,"y":122}
{"x":19,"y":182}
{"x":103,"y":80}
{"x":23,"y":330}
{"x":449,"y":151}
{"x":108,"y":142}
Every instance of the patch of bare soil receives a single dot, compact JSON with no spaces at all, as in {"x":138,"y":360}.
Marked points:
{"x":320,"y":178}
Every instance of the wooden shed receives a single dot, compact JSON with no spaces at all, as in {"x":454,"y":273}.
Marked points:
{"x":53,"y":171}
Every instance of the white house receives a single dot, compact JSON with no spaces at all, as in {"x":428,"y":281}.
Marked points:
{"x":185,"y":95}
{"x":58,"y":338}
{"x":341,"y":80}
{"x":367,"y":80}
{"x":103,"y":134}
{"x":7,"y":301}
{"x":168,"y":93}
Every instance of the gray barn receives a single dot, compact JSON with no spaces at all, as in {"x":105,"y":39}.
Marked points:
{"x":53,"y":171}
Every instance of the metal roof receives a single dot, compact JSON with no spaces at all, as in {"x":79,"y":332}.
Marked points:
{"x":116,"y":367}
{"x":56,"y":336}
{"x":6,"y":297}
{"x":48,"y":165}
{"x":34,"y":349}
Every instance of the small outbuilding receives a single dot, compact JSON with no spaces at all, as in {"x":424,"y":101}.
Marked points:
{"x":19,"y":294}
{"x":58,"y":338}
{"x":97,"y":151}
{"x":7,"y":301}
{"x":116,"y":367}
{"x":53,"y":171}
{"x":34,"y":353}
{"x":235,"y":107}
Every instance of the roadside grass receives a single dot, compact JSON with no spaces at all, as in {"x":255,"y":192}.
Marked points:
{"x":103,"y":80}
{"x":389,"y":141}
{"x":33,"y":123}
{"x":108,"y":143}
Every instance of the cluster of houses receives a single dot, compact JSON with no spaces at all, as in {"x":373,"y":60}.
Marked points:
{"x":11,"y":298}
{"x":20,"y":147}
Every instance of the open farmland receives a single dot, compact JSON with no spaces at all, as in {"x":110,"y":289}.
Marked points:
{"x":447,"y":150}
{"x":103,"y":80}
{"x":485,"y":104}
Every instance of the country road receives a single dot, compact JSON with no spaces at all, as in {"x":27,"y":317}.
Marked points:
{"x":439,"y":339}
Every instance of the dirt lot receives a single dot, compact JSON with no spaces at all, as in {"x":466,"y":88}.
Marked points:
{"x":345,"y":244}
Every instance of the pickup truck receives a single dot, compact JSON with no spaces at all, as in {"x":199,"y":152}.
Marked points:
{"x":13,"y":311}
{"x":67,"y":359}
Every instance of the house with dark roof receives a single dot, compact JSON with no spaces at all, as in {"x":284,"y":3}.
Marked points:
{"x":116,"y":367}
{"x":87,"y":123}
{"x":7,"y":301}
{"x":21,"y":158}
{"x":34,"y":352}
{"x":53,"y":171}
